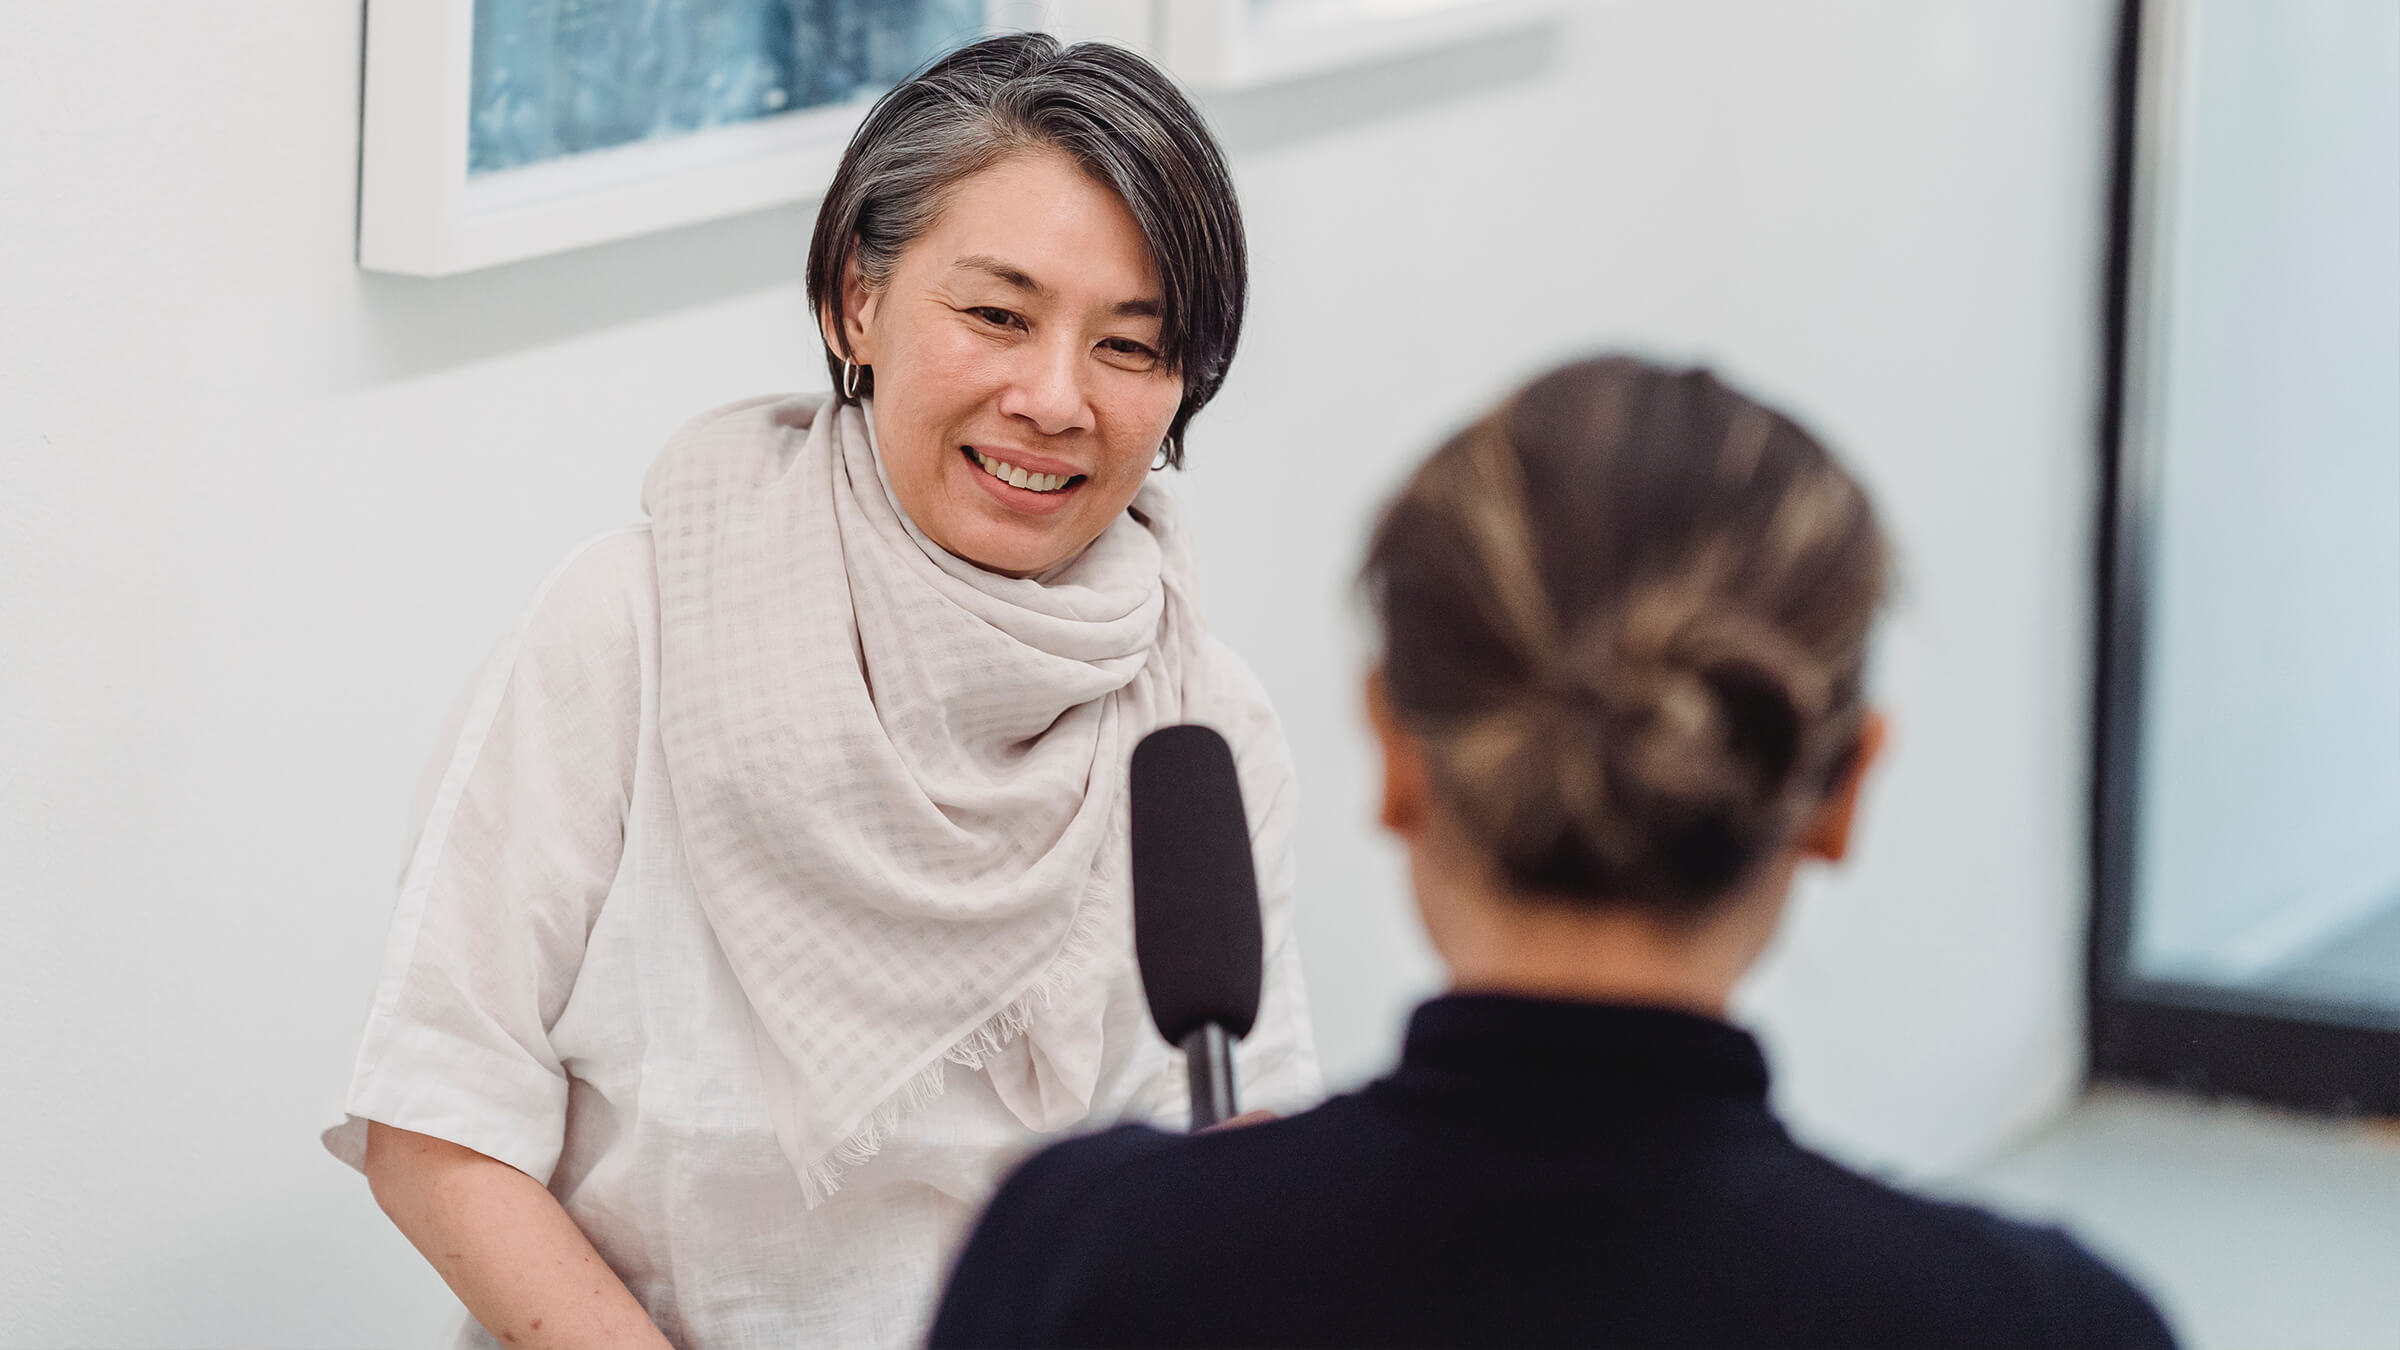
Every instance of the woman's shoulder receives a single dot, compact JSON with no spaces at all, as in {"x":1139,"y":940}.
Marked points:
{"x":746,"y":432}
{"x":759,"y":412}
{"x":1236,"y":705}
{"x":2048,"y":1274}
{"x":1235,"y":701}
{"x":603,"y":595}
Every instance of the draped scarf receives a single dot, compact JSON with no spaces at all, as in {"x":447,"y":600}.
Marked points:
{"x":900,"y":779}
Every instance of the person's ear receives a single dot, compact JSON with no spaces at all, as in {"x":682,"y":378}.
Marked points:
{"x":1827,"y":837}
{"x":851,"y":321}
{"x":1405,"y":796}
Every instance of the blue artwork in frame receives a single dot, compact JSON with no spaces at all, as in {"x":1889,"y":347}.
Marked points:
{"x":553,"y":78}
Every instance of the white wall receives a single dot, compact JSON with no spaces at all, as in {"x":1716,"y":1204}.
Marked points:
{"x":2271,"y":737}
{"x":260,"y":514}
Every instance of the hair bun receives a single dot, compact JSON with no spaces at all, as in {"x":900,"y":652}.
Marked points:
{"x":1655,"y":761}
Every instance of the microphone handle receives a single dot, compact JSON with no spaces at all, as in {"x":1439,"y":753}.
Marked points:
{"x":1208,"y":1055}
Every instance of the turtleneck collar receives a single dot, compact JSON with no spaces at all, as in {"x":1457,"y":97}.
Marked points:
{"x":1576,"y":1057}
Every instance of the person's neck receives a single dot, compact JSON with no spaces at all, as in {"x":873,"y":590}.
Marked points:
{"x":1537,"y":947}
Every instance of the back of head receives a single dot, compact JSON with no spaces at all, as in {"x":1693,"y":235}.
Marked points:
{"x":1626,"y":614}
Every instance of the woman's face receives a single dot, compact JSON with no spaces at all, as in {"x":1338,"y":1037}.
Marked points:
{"x":1019,"y":397}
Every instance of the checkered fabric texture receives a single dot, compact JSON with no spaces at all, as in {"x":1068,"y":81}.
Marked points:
{"x":901,"y":779}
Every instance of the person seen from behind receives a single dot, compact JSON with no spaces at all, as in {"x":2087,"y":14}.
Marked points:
{"x":1624,"y":622}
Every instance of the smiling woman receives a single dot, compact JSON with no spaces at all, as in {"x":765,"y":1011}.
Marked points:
{"x":1048,"y":269}
{"x":773,"y":897}
{"x":1025,"y":398}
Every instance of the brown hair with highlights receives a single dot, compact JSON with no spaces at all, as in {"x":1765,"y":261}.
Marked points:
{"x":1627,"y":614}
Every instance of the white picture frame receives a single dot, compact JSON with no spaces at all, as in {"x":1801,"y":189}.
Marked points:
{"x":1230,"y":45}
{"x":422,"y":214}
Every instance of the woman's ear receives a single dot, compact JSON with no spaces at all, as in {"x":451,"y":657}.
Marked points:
{"x":1827,"y":838}
{"x":1404,"y":780}
{"x":846,"y":331}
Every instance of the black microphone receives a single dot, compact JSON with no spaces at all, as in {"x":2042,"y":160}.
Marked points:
{"x":1196,"y":930}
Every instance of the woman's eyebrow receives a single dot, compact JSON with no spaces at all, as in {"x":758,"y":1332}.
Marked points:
{"x":1006,"y":273}
{"x":1018,"y":278}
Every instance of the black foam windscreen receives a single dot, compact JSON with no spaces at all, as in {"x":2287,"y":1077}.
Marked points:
{"x":1196,"y":930}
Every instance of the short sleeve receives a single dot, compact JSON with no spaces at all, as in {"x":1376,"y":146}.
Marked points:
{"x":518,"y":847}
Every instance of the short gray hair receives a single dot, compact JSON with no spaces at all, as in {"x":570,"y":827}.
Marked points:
{"x":1109,"y":110}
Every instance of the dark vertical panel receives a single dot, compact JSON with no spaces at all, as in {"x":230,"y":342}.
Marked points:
{"x":2311,"y":1055}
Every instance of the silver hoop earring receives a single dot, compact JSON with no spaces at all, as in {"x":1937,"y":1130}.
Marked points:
{"x":1166,"y":454}
{"x":850,"y":371}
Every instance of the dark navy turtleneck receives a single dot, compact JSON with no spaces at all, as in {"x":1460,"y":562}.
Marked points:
{"x":1534,"y":1172}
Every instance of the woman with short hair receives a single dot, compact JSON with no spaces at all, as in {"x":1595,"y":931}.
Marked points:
{"x":1624,"y":621}
{"x":772,"y":896}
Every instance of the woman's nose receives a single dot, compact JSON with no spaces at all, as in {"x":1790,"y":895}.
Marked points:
{"x":1048,"y":390}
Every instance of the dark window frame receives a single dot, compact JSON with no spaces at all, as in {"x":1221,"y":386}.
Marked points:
{"x":2314,"y":1056}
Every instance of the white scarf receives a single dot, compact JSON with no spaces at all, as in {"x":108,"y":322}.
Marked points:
{"x":901,"y":778}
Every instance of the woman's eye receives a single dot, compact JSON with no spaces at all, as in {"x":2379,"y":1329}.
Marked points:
{"x":1129,"y":347}
{"x":998,"y":318}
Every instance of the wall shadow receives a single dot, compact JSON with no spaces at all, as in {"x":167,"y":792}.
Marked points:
{"x":421,"y":325}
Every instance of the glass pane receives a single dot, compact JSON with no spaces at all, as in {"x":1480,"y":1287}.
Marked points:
{"x":2270,"y":778}
{"x":559,"y":77}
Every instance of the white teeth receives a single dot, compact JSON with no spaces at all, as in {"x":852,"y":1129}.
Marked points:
{"x":1017,"y":477}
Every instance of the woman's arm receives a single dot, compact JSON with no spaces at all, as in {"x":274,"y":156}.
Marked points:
{"x":516,"y":850}
{"x":503,"y":1244}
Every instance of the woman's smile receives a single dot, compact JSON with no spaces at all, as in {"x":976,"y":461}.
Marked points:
{"x":1030,"y":484}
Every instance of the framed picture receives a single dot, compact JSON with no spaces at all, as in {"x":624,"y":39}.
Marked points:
{"x":497,"y":130}
{"x":1237,"y":44}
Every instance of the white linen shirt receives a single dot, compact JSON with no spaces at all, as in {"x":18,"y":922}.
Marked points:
{"x":553,"y":996}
